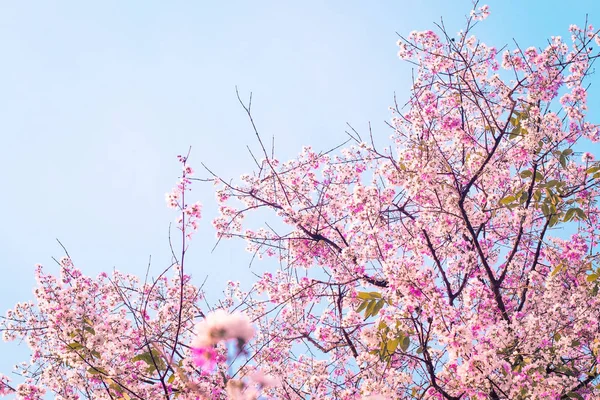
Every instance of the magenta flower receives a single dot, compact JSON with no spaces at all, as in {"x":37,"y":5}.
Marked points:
{"x":205,"y":358}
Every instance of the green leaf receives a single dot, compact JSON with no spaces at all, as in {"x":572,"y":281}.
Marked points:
{"x":526,"y":174}
{"x":153,"y":359}
{"x":574,"y":395}
{"x":557,"y":269}
{"x":96,"y":371}
{"x":370,"y":307}
{"x":75,"y":346}
{"x":515,"y":133}
{"x":592,"y":277}
{"x":369,"y":295}
{"x":546,"y":210}
{"x":592,"y":169}
{"x":171,"y":379}
{"x":378,"y":306}
{"x":391,"y":345}
{"x":580,"y":214}
{"x":405,"y":343}
{"x":569,"y":215}
{"x":89,"y":329}
{"x":563,"y":161}
{"x":382,"y":347}
{"x":363,"y":295}
{"x":115,"y":386}
{"x":523,"y":197}
{"x":507,"y":200}
{"x":362,"y":306}
{"x":567,"y":152}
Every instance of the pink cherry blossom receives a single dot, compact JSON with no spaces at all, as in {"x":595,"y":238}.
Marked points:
{"x":205,"y":358}
{"x":219,"y":326}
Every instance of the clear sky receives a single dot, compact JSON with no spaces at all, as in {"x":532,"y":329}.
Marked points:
{"x":97,"y":99}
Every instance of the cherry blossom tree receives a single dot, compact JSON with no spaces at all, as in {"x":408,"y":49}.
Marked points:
{"x":458,"y":261}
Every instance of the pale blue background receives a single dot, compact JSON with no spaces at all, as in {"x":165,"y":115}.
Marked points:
{"x":97,"y":99}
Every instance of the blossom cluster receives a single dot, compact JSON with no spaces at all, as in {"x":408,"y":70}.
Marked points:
{"x":190,"y":213}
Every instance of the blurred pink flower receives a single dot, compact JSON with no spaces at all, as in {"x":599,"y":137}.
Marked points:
{"x":205,"y":358}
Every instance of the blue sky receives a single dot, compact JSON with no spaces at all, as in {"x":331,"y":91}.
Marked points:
{"x":97,"y":99}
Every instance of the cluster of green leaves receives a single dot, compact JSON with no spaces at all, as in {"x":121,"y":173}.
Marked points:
{"x":594,"y":171}
{"x":388,"y":346}
{"x":390,"y":338}
{"x":594,"y":274}
{"x":515,"y":121}
{"x":550,"y":195}
{"x":547,"y":195}
{"x":78,"y":336}
{"x":372,"y":303}
{"x":153,"y":359}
